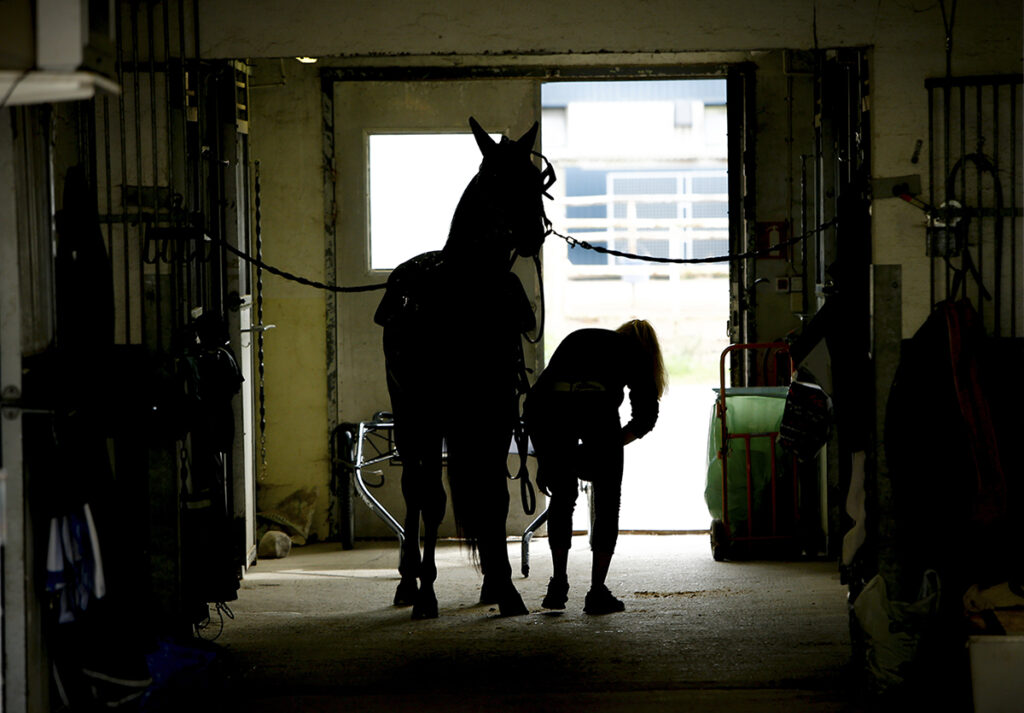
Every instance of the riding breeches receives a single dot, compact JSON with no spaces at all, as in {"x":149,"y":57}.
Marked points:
{"x":578,"y":436}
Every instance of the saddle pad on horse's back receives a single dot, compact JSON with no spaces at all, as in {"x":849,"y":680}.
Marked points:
{"x":409,"y":292}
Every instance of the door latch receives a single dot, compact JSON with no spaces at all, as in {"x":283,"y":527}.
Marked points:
{"x":11,"y":406}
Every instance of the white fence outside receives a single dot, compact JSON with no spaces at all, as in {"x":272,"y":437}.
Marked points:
{"x":664,"y":214}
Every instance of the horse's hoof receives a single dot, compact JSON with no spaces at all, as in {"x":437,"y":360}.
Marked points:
{"x":425,"y":608}
{"x":512,"y":604}
{"x":405,"y":594}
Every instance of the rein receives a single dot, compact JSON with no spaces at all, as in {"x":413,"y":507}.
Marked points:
{"x":519,"y":435}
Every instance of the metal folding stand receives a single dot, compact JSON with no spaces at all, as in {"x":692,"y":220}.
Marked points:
{"x":373,"y":443}
{"x":527,"y":536}
{"x":377,"y":434}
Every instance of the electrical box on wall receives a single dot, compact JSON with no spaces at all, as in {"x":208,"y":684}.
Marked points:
{"x":75,"y":35}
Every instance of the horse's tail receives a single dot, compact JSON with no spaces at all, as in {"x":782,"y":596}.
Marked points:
{"x":467,"y":508}
{"x":478,"y":485}
{"x":480,"y":500}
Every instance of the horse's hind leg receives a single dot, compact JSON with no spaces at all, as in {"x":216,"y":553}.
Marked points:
{"x":434,"y":502}
{"x":409,"y":557}
{"x":413,"y":473}
{"x":424,"y":495}
{"x":419,"y":441}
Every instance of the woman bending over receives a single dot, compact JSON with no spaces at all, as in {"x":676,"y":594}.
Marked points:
{"x":572,"y":414}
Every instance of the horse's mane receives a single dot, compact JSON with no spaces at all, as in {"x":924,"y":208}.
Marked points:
{"x":467,"y":220}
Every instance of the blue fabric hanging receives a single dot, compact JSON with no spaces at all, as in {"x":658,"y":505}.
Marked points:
{"x":74,"y":564}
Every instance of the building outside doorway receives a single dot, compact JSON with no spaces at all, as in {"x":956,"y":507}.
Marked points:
{"x":642,"y":169}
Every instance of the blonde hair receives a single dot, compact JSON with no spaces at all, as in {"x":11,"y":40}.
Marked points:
{"x":643,"y":332}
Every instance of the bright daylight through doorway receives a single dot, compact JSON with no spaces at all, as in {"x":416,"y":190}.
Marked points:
{"x":642,"y":169}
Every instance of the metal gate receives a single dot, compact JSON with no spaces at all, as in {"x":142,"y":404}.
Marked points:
{"x":975,"y":235}
{"x":171,"y":166}
{"x":168,"y":161}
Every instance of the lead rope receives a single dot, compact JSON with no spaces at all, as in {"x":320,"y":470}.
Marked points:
{"x":521,"y":438}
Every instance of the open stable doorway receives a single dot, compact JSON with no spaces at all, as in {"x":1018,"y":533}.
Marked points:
{"x":642,"y":169}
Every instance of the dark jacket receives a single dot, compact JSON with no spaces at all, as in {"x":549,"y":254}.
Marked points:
{"x":591,"y":360}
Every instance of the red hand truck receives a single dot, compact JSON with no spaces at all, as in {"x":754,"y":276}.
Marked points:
{"x":770,"y":515}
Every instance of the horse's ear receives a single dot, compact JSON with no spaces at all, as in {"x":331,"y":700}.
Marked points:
{"x":526,"y":140}
{"x":483,"y":139}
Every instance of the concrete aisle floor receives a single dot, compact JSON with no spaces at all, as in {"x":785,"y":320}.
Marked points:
{"x":316,"y":631}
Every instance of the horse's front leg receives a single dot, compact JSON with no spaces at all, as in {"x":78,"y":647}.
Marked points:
{"x":498,"y":587}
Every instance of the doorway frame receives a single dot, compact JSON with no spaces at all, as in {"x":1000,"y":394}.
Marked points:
{"x":739,"y":72}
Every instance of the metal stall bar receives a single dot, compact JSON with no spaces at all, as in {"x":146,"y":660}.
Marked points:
{"x":105,"y":103}
{"x":137,"y":150}
{"x":200,"y":204}
{"x":172,"y":285}
{"x":1014,"y":209}
{"x":154,"y":170}
{"x":980,"y":203}
{"x":184,"y":277}
{"x":125,"y":262}
{"x":931,"y":188}
{"x":961,"y":134}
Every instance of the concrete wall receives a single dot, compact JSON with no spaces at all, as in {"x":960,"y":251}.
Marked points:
{"x":907,"y":40}
{"x":264,"y":28}
{"x":784,"y":117}
{"x":288,"y":148}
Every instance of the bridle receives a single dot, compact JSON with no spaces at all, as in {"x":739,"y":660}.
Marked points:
{"x":527,"y":492}
{"x":547,"y":179}
{"x":547,"y":174}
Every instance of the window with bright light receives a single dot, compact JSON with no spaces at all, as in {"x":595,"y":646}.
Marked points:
{"x":416,"y":180}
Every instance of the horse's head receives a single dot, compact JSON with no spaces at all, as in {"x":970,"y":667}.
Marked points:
{"x":505,"y":199}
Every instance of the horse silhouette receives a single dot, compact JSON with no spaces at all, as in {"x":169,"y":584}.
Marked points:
{"x":454,"y":321}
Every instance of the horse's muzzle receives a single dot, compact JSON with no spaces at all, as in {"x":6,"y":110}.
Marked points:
{"x":531,"y":238}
